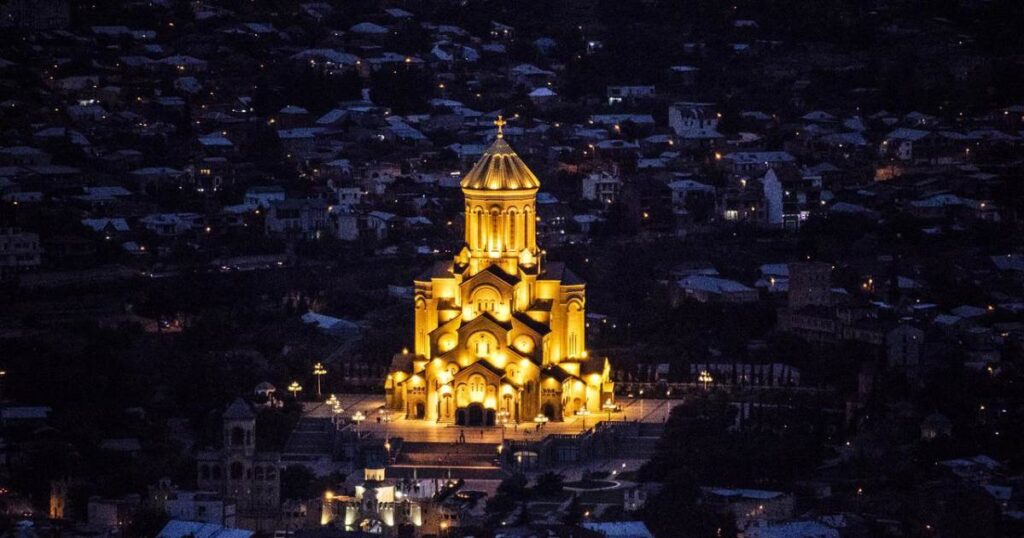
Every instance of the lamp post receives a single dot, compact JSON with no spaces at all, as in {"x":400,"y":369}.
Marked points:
{"x":385,"y":417}
{"x":336,"y":411}
{"x":608,"y":406}
{"x":583,"y":412}
{"x":541,"y":419}
{"x":641,"y":405}
{"x":295,"y":388}
{"x":705,"y":377}
{"x":358,"y":417}
{"x":502,"y":418}
{"x":319,"y":371}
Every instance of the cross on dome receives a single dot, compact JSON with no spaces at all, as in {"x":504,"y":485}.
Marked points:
{"x":500,"y":122}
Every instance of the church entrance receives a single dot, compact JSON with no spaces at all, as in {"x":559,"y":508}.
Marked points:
{"x":420,"y":410}
{"x":475,"y":414}
{"x":549,"y":411}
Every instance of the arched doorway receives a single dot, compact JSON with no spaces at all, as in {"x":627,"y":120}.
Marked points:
{"x":475,"y":414}
{"x":420,"y":410}
{"x":549,"y":411}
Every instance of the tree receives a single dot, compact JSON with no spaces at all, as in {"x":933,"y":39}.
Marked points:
{"x":549,"y":483}
{"x":297,"y":483}
{"x":514,"y":486}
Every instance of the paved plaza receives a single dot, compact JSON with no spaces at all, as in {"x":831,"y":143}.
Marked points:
{"x":418,"y":431}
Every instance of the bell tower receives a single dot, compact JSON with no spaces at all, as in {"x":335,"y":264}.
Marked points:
{"x":501,"y":208}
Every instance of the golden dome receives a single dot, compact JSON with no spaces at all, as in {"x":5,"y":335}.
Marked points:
{"x":500,"y":169}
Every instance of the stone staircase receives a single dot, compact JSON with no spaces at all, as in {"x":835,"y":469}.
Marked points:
{"x":311,"y":437}
{"x":446,"y":454}
{"x":434,"y":460}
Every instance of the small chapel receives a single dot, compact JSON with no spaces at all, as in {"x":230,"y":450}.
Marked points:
{"x":499,"y":330}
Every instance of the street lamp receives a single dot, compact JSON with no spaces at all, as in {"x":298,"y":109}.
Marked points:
{"x":385,"y":417}
{"x":295,"y":388}
{"x":584,"y":413}
{"x":541,"y":419}
{"x":502,"y":418}
{"x":705,"y":377}
{"x":319,"y":371}
{"x":358,"y":417}
{"x":336,"y":411}
{"x":608,"y":406}
{"x":641,"y":405}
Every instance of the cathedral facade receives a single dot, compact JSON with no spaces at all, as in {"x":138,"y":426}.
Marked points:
{"x":499,"y":329}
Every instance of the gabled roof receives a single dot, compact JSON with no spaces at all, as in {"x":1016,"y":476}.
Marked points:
{"x":239,"y":410}
{"x":593,"y":365}
{"x":512,"y":280}
{"x":558,"y":271}
{"x":535,"y":326}
{"x":482,"y":364}
{"x":485,"y":319}
{"x":557,"y":373}
{"x":441,"y":269}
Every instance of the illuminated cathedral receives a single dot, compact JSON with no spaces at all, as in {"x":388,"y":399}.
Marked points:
{"x":499,"y":329}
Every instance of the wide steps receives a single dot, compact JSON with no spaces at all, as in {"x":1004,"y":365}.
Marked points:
{"x":311,"y":436}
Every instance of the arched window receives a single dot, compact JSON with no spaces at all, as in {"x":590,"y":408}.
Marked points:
{"x":495,"y":232}
{"x":512,"y":241}
{"x":479,"y":229}
{"x":529,"y":225}
{"x":484,"y":299}
{"x":216,"y":472}
{"x":237,"y":470}
{"x":204,"y":472}
{"x":237,"y":436}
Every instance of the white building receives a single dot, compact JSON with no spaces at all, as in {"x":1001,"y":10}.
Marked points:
{"x":170,"y":224}
{"x":601,"y":186}
{"x":201,"y":506}
{"x":263,"y":196}
{"x":689,"y":116}
{"x":772,"y":199}
{"x":305,"y":218}
{"x":713,"y":289}
{"x":683,"y":188}
{"x":629,"y":94}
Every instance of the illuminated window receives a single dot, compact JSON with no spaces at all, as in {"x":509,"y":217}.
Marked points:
{"x":512,"y":229}
{"x":495,"y":231}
